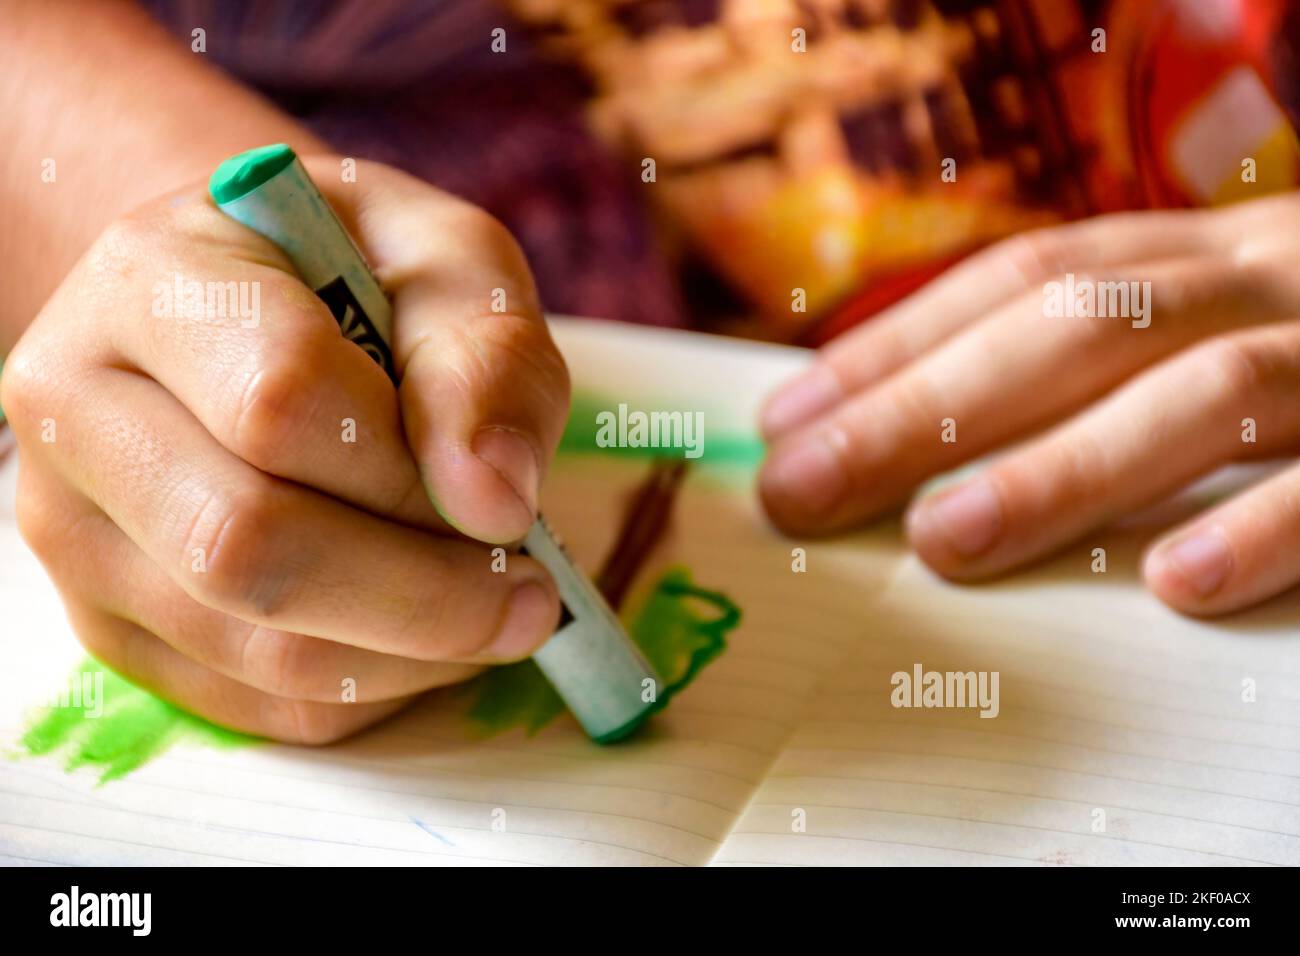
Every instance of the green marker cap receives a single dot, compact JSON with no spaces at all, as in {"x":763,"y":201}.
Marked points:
{"x":241,"y":174}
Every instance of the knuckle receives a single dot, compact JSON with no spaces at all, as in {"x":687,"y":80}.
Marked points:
{"x":1058,"y":472}
{"x":850,"y":356}
{"x":275,"y":408}
{"x":425,"y":616}
{"x":1200,"y":295}
{"x":1034,"y":256}
{"x":123,"y":234}
{"x":37,"y":523}
{"x":917,"y":406}
{"x":1235,"y":366}
{"x":310,"y":723}
{"x":495,"y":244}
{"x":111,"y":641}
{"x":528,"y":348}
{"x":1076,"y":467}
{"x":431,"y":627}
{"x":57,"y":531}
{"x":483,"y":230}
{"x":278,"y":662}
{"x":122,"y":244}
{"x":22,"y":389}
{"x":231,"y":532}
{"x":507,"y":350}
{"x":892,"y":344}
{"x":133,"y":246}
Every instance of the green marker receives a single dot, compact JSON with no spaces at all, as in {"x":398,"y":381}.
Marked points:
{"x":596,"y":668}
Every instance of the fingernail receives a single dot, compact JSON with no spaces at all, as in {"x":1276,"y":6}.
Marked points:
{"x":807,"y":479}
{"x":797,"y":401}
{"x":1203,"y":559}
{"x":513,"y":457}
{"x":969,"y":517}
{"x":527,"y":624}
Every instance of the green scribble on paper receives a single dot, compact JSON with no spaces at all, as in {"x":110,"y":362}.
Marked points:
{"x":124,"y":729}
{"x":516,"y":695}
{"x":720,"y":448}
{"x":676,"y":638}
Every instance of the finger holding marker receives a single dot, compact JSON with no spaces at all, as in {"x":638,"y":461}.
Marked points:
{"x":129,"y":649}
{"x":89,"y":557}
{"x":484,"y":391}
{"x":280,"y":388}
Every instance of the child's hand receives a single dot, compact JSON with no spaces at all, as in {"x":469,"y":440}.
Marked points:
{"x":236,"y":508}
{"x":1127,"y":414}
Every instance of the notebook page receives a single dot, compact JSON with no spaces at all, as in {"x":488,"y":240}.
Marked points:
{"x":1122,"y":735}
{"x":421,"y":788}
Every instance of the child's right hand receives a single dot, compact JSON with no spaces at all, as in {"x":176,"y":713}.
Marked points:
{"x":188,"y":482}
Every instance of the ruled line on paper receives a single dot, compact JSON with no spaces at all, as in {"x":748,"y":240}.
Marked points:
{"x":387,"y":821}
{"x":1050,"y":769}
{"x":1111,"y":805}
{"x":953,"y":728}
{"x":1023,"y":826}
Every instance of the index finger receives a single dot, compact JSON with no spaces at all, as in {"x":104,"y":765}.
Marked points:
{"x":485,"y":392}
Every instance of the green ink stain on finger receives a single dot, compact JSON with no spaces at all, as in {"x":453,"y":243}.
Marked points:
{"x":681,"y":628}
{"x":118,"y":726}
{"x":738,"y":449}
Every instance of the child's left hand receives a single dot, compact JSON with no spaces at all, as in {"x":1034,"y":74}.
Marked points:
{"x":1113,"y":416}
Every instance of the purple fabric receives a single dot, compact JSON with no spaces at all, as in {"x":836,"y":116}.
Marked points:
{"x":416,"y":85}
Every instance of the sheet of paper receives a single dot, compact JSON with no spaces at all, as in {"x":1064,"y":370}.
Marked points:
{"x":1125,"y":733}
